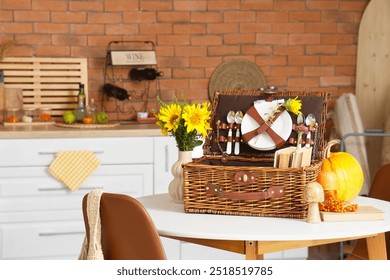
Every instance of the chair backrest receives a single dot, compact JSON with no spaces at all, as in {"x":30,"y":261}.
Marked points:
{"x":128,"y":233}
{"x":380,"y":189}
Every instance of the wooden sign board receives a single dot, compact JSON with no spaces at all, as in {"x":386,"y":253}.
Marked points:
{"x":133,"y":57}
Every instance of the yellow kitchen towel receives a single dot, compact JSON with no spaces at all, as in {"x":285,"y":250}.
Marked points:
{"x":72,"y":168}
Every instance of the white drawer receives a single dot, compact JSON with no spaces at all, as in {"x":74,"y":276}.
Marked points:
{"x":41,"y":152}
{"x":34,"y":189}
{"x":41,"y":240}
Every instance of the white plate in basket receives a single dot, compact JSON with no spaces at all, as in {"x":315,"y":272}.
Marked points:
{"x":282,"y":125}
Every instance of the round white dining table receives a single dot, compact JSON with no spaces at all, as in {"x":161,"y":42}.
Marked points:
{"x":255,"y":236}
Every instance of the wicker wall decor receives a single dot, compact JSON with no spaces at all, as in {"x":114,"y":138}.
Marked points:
{"x":236,"y":74}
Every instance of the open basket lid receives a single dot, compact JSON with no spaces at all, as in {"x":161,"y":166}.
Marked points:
{"x":242,"y":100}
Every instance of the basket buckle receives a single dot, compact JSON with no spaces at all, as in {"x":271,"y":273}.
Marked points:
{"x":244,"y":178}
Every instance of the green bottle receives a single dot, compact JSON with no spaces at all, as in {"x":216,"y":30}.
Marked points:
{"x":80,"y":111}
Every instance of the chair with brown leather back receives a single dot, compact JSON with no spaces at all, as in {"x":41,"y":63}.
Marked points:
{"x":380,"y":189}
{"x":127,"y":231}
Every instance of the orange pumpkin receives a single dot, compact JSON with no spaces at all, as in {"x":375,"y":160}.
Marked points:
{"x":329,"y":182}
{"x":348,"y":171}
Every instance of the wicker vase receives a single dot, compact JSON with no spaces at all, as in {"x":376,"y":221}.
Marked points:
{"x":177,"y":184}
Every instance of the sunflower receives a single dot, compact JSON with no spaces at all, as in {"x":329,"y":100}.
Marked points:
{"x":185,"y":122}
{"x":293,"y":105}
{"x":196,"y":117}
{"x":170,"y":116}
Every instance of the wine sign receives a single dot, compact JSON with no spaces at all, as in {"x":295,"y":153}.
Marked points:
{"x":133,"y":57}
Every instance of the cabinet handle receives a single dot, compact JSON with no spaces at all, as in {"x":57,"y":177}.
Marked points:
{"x":49,"y":189}
{"x":166,"y":158}
{"x":62,"y":189}
{"x":60,"y":233}
{"x":53,"y":153}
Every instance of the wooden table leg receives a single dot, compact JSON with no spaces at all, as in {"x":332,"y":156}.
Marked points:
{"x":251,"y":252}
{"x":376,"y":247}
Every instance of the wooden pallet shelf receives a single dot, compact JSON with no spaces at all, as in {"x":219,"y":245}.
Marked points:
{"x":49,"y":82}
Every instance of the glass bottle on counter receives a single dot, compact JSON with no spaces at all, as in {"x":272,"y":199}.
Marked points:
{"x":91,"y":110}
{"x":80,"y":111}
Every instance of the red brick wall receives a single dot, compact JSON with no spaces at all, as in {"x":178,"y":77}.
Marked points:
{"x":297,"y":44}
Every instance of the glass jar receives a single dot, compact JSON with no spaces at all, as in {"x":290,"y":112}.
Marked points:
{"x":45,"y":115}
{"x":28,"y":115}
{"x":12,"y":115}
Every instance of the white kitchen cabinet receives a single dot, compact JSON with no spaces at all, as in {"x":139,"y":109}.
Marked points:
{"x":42,"y":219}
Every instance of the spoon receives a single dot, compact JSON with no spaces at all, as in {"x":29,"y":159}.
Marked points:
{"x":300,"y":119}
{"x":310,"y":121}
{"x":238,"y":120}
{"x":230,"y":120}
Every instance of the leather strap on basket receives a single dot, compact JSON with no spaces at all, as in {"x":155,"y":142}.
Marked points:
{"x":265,"y":126}
{"x":270,"y":193}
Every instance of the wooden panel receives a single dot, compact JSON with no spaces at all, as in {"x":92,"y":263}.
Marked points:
{"x":45,"y":81}
{"x":372,"y":76}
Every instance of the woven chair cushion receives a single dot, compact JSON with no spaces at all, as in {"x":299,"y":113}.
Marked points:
{"x":347,"y":119}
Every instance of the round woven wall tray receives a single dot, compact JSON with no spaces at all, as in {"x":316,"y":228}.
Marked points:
{"x":236,"y":74}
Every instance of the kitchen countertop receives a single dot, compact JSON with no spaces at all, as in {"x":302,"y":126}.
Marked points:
{"x":131,"y":129}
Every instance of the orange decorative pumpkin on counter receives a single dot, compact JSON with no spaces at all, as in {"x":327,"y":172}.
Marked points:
{"x":348,"y":172}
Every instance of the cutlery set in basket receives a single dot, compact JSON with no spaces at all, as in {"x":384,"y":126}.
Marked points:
{"x":259,"y":156}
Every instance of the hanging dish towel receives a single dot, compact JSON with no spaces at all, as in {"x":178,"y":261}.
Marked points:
{"x":72,"y":168}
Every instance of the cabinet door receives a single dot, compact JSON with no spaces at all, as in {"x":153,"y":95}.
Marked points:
{"x":41,"y":240}
{"x":165,"y":154}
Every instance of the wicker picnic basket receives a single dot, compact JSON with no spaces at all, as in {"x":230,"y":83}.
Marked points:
{"x":248,"y":184}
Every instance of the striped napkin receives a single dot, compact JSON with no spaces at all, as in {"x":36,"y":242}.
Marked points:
{"x":72,"y":168}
